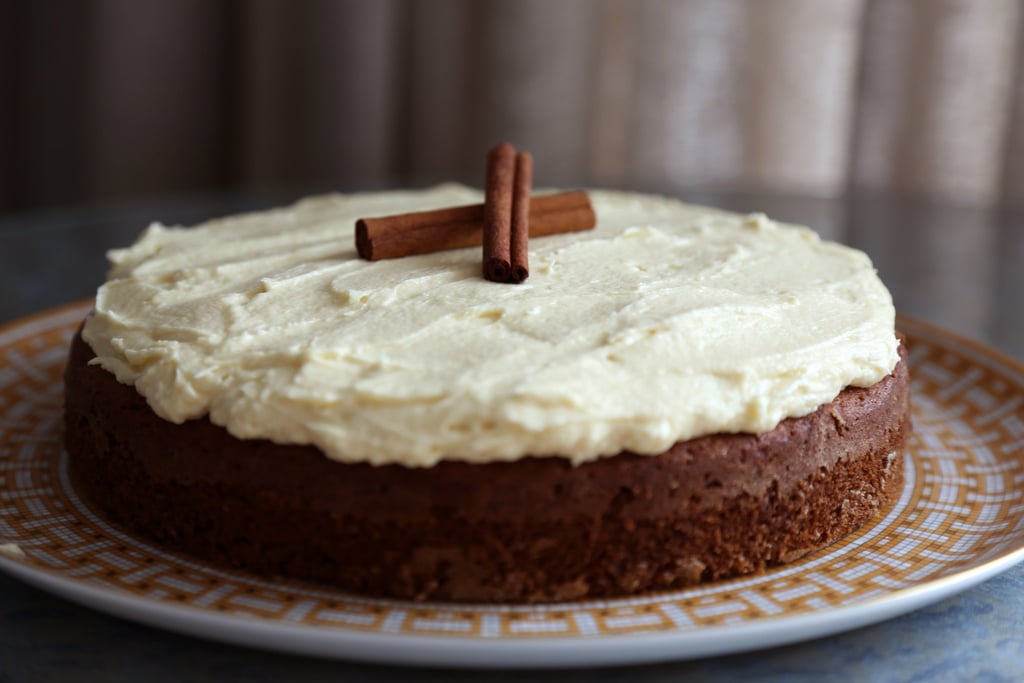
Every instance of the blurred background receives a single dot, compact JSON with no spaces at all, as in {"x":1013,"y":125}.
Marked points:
{"x":107,"y":100}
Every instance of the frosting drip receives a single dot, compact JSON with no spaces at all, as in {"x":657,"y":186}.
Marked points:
{"x":666,"y":322}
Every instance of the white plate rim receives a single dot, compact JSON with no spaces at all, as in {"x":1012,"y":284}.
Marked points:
{"x":520,"y":652}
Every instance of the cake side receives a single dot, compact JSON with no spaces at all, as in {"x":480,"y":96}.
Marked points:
{"x":537,"y":529}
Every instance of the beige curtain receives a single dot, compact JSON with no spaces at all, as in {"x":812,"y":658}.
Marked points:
{"x":119,"y":98}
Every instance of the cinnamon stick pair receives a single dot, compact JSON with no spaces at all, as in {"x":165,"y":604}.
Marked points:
{"x":424,"y":232}
{"x":507,"y":214}
{"x":457,"y":227}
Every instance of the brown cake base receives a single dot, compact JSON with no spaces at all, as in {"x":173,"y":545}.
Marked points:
{"x":538,"y":529}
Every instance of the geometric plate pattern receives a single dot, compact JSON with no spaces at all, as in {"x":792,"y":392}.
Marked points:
{"x":962,"y":509}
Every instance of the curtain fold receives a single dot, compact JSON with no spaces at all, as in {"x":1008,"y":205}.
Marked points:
{"x":109,"y":99}
{"x":937,"y":95}
{"x":160,"y":96}
{"x":305,"y":120}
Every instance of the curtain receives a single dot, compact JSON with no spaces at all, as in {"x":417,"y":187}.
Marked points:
{"x":112,"y":99}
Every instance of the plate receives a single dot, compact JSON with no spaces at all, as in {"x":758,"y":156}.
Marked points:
{"x":960,"y":520}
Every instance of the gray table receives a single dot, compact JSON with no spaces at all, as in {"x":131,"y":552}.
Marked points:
{"x":960,"y":268}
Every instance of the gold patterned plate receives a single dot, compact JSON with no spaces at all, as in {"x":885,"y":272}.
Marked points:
{"x":960,"y":520}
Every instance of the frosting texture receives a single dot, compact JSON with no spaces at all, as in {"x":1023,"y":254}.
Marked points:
{"x":666,"y":322}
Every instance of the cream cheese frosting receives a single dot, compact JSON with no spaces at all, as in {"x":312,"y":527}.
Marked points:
{"x":664,"y":323}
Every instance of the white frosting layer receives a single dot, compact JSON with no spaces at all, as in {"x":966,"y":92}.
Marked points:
{"x":666,"y":322}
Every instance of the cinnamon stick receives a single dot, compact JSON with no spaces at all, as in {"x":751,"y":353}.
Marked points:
{"x":501,"y":168}
{"x":457,"y":227}
{"x":520,"y":229}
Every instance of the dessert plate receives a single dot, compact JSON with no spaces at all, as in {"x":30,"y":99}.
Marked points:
{"x":959,"y":521}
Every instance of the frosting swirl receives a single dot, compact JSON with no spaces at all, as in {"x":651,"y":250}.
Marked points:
{"x":666,"y":322}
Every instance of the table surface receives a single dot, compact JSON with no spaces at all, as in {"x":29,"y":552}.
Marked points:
{"x":960,"y":268}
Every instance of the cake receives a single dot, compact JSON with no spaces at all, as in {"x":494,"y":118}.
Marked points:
{"x":680,"y":395}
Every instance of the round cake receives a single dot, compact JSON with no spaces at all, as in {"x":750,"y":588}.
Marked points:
{"x":680,"y":395}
